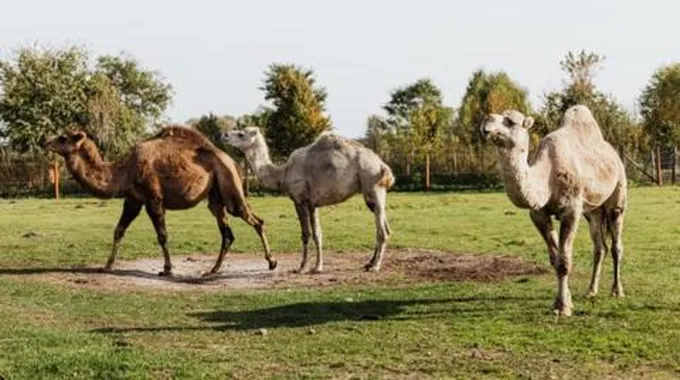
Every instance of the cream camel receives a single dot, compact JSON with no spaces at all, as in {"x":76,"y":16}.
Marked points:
{"x":326,"y":172}
{"x":173,"y":170}
{"x":573,"y":172}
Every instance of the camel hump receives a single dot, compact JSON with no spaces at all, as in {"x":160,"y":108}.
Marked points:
{"x":328,"y":140}
{"x":581,"y":120}
{"x":184,"y":133}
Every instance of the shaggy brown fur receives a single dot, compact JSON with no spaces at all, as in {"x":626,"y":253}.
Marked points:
{"x":173,"y":170}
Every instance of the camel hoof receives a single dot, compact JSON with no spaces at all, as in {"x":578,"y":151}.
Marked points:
{"x":302,"y":269}
{"x":106,"y":269}
{"x":316,"y":271}
{"x":617,"y":293}
{"x":165,"y":273}
{"x":562,"y":309}
{"x":272,"y":265}
{"x":209,"y":274}
{"x":591,"y":294}
{"x":370,"y":267}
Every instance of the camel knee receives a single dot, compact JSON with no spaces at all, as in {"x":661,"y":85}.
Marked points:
{"x":162,"y":237}
{"x":260,"y":225}
{"x":227,"y":234}
{"x":305,"y":237}
{"x":371,"y":205}
{"x":563,"y":268}
{"x":118,"y":233}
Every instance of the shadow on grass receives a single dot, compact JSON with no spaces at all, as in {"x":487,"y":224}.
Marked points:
{"x":129,"y":273}
{"x":307,"y":314}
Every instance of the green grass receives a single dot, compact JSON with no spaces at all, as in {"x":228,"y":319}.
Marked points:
{"x":444,"y":330}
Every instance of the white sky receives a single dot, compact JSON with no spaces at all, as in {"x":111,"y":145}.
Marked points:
{"x":215,"y":52}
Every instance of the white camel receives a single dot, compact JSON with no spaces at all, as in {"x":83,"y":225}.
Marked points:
{"x":326,"y":172}
{"x":574,"y":171}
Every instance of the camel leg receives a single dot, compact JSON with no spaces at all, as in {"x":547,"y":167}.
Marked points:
{"x":599,"y":247}
{"x":303,"y":217}
{"x":131,"y":209}
{"x":235,"y":203}
{"x":156,"y":212}
{"x":225,"y":231}
{"x":258,"y":224}
{"x":615,"y":223}
{"x":543,"y":223}
{"x":568,"y":228}
{"x":317,"y":236}
{"x":376,"y":202}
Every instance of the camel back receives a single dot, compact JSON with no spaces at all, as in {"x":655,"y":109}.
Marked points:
{"x":579,"y":120}
{"x":329,"y":140}
{"x":187,"y":134}
{"x":196,"y":138}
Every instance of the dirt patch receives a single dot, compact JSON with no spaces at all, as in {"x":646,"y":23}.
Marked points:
{"x":248,"y":271}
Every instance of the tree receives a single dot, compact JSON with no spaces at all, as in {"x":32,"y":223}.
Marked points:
{"x":487,"y":93}
{"x":297,"y":116}
{"x":660,"y":106}
{"x":46,"y":91}
{"x":377,"y":129}
{"x":417,"y":116}
{"x":43,"y":92}
{"x":617,"y":125}
{"x":214,"y":126}
{"x":144,"y":92}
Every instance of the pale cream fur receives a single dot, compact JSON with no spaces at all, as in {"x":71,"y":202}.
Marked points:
{"x":573,"y":172}
{"x":326,"y":172}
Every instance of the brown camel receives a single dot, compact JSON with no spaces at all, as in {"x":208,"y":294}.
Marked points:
{"x":173,"y":170}
{"x":574,"y":171}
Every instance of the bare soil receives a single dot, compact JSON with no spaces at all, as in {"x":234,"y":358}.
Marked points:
{"x":249,"y":271}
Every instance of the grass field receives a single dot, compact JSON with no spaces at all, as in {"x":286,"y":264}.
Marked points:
{"x":430,"y":330}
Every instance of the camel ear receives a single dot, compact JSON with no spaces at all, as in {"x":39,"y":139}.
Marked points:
{"x":251,"y":132}
{"x":528,"y":122}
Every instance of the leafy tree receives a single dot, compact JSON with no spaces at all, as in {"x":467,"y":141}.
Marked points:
{"x":417,"y":116}
{"x":376,"y":137}
{"x":487,"y":93}
{"x":214,"y":126}
{"x":297,"y":116}
{"x":660,"y":106}
{"x":616,"y":124}
{"x":260,"y":119}
{"x":43,"y":92}
{"x":47,"y":91}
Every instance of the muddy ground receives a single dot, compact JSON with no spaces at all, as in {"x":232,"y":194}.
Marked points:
{"x":249,"y":271}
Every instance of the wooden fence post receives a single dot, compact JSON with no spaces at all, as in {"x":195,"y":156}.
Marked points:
{"x":659,"y":173}
{"x":53,"y":169}
{"x":674,"y":162}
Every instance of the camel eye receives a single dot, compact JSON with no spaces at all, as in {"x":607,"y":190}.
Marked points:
{"x":509,"y":122}
{"x":61,"y":139}
{"x":240,"y":134}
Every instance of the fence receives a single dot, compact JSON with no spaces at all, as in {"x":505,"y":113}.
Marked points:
{"x":23,"y":177}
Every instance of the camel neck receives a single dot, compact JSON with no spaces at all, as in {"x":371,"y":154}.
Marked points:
{"x":270,"y":176}
{"x":99,"y":177}
{"x":527,"y":184}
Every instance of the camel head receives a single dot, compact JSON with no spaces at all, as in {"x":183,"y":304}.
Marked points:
{"x":242,"y":139}
{"x":508,"y":130}
{"x":66,"y":144}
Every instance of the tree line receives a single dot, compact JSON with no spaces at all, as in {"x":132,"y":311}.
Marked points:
{"x":118,"y":102}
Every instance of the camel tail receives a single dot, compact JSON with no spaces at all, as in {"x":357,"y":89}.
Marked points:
{"x":386,"y":177}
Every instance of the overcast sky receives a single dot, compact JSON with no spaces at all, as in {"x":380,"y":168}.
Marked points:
{"x":215,"y":52}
